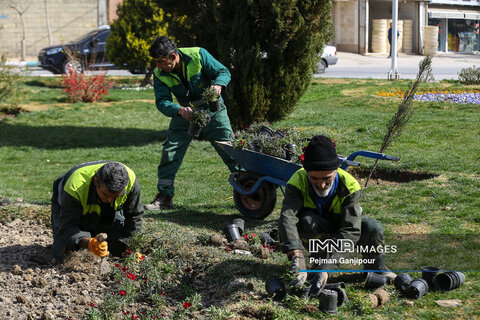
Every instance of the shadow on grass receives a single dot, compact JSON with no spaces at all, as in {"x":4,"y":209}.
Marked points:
{"x":65,"y":137}
{"x":205,"y":218}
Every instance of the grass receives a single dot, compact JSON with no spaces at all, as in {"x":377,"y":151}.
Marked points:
{"x":432,"y":221}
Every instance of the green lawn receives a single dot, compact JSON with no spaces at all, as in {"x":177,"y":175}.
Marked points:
{"x":433,"y":221}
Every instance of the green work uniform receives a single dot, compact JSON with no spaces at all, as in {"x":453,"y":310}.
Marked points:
{"x":200,"y":70}
{"x":340,"y":218}
{"x":77,"y":211}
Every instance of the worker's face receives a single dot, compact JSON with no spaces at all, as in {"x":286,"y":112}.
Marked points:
{"x":167,"y":64}
{"x":322,"y":181}
{"x":105,"y":195}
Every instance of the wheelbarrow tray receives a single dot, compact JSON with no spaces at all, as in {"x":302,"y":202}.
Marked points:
{"x":260,"y":163}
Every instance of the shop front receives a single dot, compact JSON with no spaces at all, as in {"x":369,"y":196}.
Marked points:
{"x":458,"y":28}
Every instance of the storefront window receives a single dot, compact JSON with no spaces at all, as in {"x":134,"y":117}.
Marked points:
{"x":441,"y":31}
{"x":463,"y":35}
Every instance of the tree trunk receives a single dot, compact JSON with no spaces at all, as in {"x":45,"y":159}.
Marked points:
{"x":147,"y":80}
{"x":47,"y":20}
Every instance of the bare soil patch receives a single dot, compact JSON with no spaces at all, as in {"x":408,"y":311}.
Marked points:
{"x":387,"y":176}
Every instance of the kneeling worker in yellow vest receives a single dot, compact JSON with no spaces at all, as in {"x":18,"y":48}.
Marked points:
{"x":324,"y":200}
{"x":93,"y":199}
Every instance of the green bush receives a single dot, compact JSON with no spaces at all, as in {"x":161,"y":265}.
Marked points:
{"x":470,"y":75}
{"x":9,"y":84}
{"x":138,"y":23}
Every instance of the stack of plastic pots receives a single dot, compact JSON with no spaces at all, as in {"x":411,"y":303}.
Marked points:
{"x":448,"y":280}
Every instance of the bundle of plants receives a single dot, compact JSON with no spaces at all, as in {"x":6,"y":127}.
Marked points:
{"x":287,"y":143}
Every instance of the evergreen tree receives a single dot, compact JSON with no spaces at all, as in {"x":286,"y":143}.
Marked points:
{"x":132,"y":33}
{"x":271,"y":48}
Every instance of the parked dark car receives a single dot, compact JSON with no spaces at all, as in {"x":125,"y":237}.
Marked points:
{"x":86,"y":52}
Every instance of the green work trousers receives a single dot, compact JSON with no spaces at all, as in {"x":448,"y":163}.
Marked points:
{"x":178,"y":140}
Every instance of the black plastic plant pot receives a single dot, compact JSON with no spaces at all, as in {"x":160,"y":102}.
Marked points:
{"x":417,"y":288}
{"x":375,"y":280}
{"x":341,"y":296}
{"x":240,"y":223}
{"x":429,"y":274}
{"x":335,"y":285}
{"x":232,"y":232}
{"x":266,"y":131}
{"x":402,"y":281}
{"x":215,"y":106}
{"x":328,"y":301}
{"x":194,"y":130}
{"x":276,"y":287}
{"x":279,"y":134}
{"x":290,"y":151}
{"x":448,"y":280}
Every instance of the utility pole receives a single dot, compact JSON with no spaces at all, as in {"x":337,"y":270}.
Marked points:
{"x":393,"y":73}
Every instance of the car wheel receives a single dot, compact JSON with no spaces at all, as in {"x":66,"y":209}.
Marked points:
{"x":321,"y":66}
{"x":74,"y":65}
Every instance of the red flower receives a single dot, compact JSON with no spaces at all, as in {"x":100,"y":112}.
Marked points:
{"x":334,"y":143}
{"x":117,"y":265}
{"x":92,"y":304}
{"x":253,"y":235}
{"x":122,"y":292}
{"x":186,"y":305}
{"x":187,"y":269}
{"x":302,"y":158}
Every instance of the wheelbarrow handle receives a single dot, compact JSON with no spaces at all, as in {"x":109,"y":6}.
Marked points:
{"x":257,"y":184}
{"x":371,"y":154}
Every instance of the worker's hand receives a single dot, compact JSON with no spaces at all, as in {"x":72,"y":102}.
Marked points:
{"x":185,"y":112}
{"x":317,"y":281}
{"x":98,"y":248}
{"x":217,"y":88}
{"x":298,"y":263}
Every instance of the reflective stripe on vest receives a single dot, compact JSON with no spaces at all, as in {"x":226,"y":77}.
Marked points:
{"x":194,"y":67}
{"x":78,"y":186}
{"x":300,"y":181}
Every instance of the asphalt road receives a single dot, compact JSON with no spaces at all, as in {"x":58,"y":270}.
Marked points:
{"x":444,"y":66}
{"x":352,"y":65}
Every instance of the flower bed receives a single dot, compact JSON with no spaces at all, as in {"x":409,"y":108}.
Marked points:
{"x":456,"y":96}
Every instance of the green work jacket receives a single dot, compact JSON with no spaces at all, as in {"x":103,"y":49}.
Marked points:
{"x":343,"y":211}
{"x":200,"y":70}
{"x":82,"y":212}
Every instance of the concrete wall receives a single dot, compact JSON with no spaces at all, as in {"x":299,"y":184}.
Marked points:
{"x":346,"y":25}
{"x":69,"y":19}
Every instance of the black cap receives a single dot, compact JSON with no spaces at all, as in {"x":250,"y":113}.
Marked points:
{"x":320,"y":154}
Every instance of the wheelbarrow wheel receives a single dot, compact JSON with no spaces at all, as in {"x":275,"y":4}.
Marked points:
{"x":259,"y":204}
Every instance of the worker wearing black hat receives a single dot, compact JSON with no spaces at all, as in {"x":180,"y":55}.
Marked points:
{"x":324,"y":200}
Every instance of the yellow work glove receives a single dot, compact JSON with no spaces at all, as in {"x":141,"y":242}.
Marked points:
{"x":139,"y":256}
{"x":98,"y":248}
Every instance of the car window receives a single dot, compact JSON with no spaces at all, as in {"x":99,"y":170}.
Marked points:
{"x":85,"y":36}
{"x":102,"y":37}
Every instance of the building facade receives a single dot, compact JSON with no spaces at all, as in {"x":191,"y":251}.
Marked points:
{"x":24,"y":29}
{"x":361,"y":26}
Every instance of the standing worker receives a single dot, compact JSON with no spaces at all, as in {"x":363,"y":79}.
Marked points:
{"x":324,"y":200}
{"x":185,"y":73}
{"x":93,"y":198}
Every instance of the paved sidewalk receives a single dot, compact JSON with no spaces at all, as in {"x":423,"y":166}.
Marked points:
{"x":377,"y":66}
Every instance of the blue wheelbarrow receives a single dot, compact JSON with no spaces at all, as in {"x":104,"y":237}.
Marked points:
{"x":254,"y":190}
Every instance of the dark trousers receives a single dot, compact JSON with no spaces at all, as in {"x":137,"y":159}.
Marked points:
{"x":312,"y":226}
{"x":116,"y":244}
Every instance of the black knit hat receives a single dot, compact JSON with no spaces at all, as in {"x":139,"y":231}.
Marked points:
{"x":320,"y":154}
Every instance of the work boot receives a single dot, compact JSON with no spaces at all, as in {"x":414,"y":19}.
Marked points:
{"x":161,"y":202}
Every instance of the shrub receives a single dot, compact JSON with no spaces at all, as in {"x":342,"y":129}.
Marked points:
{"x":9,"y":83}
{"x":469,"y":75}
{"x":82,"y":88}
